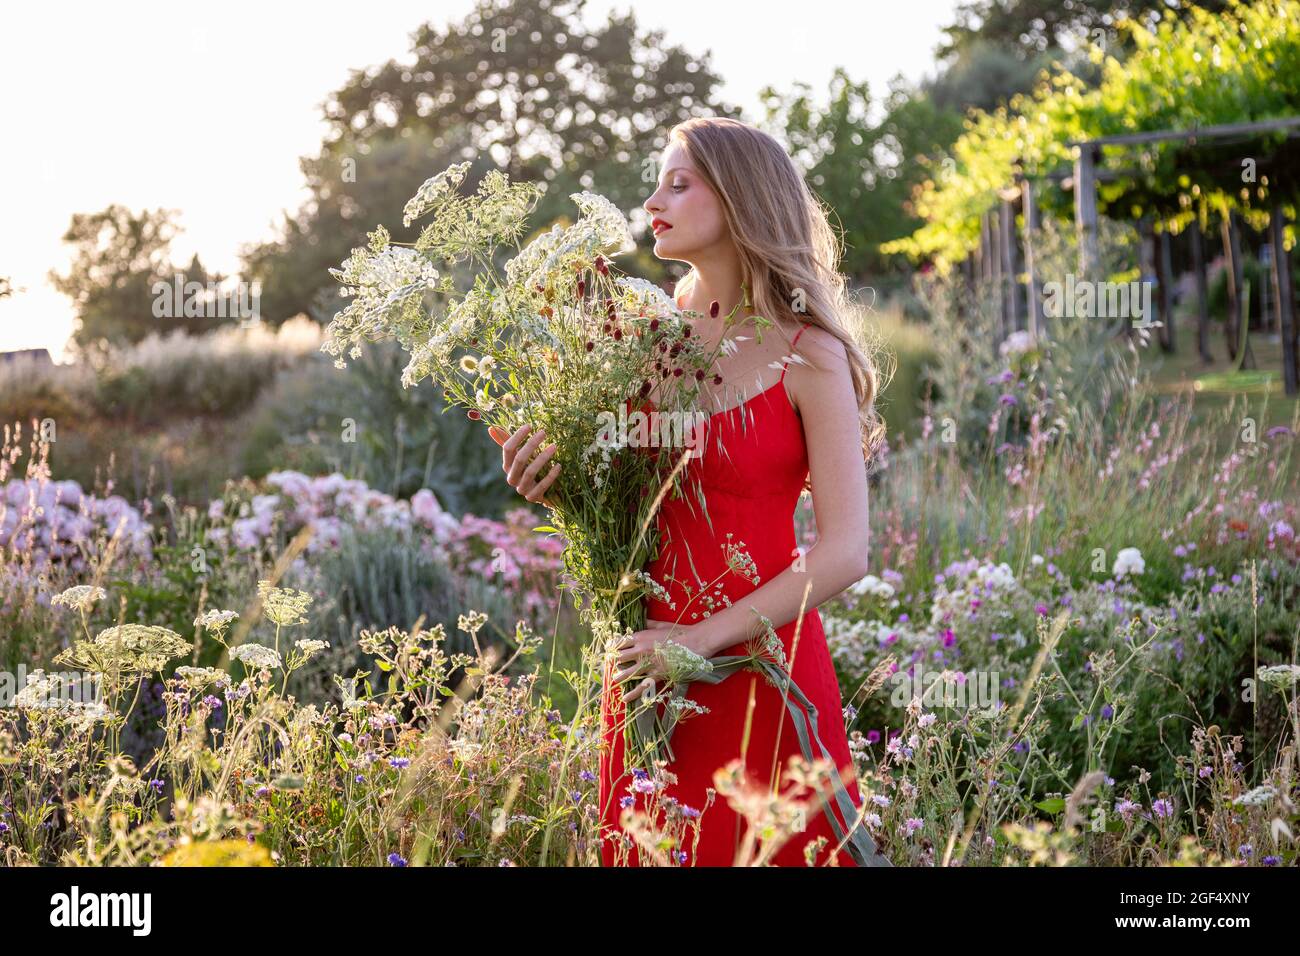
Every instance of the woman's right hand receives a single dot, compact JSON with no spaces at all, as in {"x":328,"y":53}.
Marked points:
{"x":519,"y":465}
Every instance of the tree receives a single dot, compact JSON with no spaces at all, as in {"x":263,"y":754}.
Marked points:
{"x":119,"y":259}
{"x":523,"y":85}
{"x":1039,"y":26}
{"x":863,"y":170}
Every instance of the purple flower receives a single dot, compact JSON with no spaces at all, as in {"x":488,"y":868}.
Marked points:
{"x":399,"y":763}
{"x":1162,"y":808}
{"x":949,"y":639}
{"x":1041,"y":609}
{"x":1107,"y":711}
{"x":1007,"y":399}
{"x":157,"y":785}
{"x":587,"y":775}
{"x":395,"y":859}
{"x":626,"y":802}
{"x":873,"y":736}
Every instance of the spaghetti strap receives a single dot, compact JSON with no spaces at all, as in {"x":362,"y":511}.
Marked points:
{"x":785,"y":366}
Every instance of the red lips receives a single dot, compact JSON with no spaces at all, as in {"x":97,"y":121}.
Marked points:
{"x":657,"y":222}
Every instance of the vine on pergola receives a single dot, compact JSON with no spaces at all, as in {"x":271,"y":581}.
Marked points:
{"x":1204,"y":70}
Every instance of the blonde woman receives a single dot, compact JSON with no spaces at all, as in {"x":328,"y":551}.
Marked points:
{"x":793,"y":410}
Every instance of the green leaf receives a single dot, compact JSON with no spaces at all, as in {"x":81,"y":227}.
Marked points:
{"x":1052,"y":805}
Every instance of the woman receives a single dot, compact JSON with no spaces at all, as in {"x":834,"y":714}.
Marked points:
{"x":787,"y":415}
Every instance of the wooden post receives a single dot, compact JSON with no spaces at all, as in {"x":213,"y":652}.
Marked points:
{"x":1233,"y":279}
{"x":1202,"y":293}
{"x":995,"y":277}
{"x":1165,"y":278}
{"x":1033,"y":300}
{"x":1285,"y":296}
{"x":1236,"y":286}
{"x":1146,"y":263}
{"x":1085,"y":208}
{"x":1010,"y":294}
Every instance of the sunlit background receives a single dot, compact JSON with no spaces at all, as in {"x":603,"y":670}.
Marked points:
{"x":207,"y":110}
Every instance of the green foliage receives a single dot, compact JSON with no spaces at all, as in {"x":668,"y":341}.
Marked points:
{"x":403,"y":441}
{"x":1202,"y":70}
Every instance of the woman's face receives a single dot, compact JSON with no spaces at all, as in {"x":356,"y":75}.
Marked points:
{"x":686,"y":215}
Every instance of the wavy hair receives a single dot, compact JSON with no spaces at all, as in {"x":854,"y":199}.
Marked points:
{"x":789,"y":254}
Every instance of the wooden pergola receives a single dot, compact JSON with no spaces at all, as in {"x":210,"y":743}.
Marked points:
{"x":997,"y":259}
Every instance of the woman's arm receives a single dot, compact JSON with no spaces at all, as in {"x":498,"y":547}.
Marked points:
{"x":823,"y":392}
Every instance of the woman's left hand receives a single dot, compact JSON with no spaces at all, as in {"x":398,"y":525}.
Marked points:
{"x":637,"y":655}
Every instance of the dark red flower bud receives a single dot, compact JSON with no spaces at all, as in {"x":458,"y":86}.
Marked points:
{"x":607,"y":328}
{"x":677,"y":373}
{"x":677,"y":347}
{"x":590,"y":345}
{"x":714,"y":308}
{"x":601,"y":267}
{"x":582,"y":288}
{"x":654,"y":325}
{"x":618,"y":334}
{"x":699,"y":376}
{"x":717,"y":380}
{"x":474,"y":414}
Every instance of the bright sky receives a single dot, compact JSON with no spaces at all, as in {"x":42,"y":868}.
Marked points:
{"x":206,"y":109}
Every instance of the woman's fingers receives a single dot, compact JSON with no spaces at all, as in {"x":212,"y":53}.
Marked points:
{"x":523,"y":457}
{"x":536,"y":494}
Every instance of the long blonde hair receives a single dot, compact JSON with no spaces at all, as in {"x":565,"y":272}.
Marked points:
{"x":788,"y":251}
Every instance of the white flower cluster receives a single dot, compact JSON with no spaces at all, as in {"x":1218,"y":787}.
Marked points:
{"x":873,"y":586}
{"x":967,"y":582}
{"x":434,"y":190}
{"x":1128,"y":561}
{"x":1017,"y":343}
{"x":50,"y":693}
{"x":387,"y":288}
{"x":1261,"y":796}
{"x":602,"y":229}
{"x":256,"y":655}
{"x":81,"y":598}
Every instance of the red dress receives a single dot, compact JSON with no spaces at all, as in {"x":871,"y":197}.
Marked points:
{"x":752,"y":473}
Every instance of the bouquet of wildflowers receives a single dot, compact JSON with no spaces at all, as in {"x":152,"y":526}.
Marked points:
{"x":557,"y":340}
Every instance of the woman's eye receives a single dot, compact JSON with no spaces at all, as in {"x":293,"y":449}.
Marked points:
{"x":678,"y":187}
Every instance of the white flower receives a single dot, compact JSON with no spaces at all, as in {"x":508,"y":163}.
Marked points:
{"x":1128,"y":561}
{"x":1016,"y":343}
{"x":198,"y":677}
{"x":1260,"y":796}
{"x":311,"y":647}
{"x":1280,"y":675}
{"x":80,"y":598}
{"x":215,"y":620}
{"x":256,"y":655}
{"x":433,"y":191}
{"x":874,"y":586}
